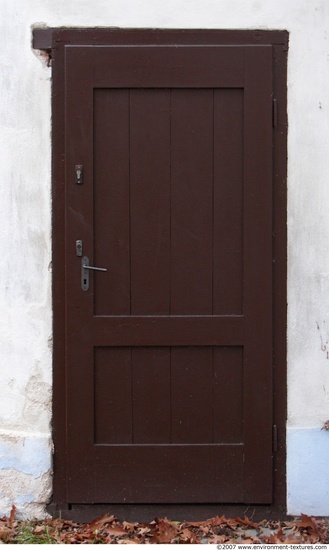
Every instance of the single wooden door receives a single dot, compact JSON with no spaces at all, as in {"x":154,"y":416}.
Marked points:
{"x":169,"y":352}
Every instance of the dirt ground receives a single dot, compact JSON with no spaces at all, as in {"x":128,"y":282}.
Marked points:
{"x":218,"y":530}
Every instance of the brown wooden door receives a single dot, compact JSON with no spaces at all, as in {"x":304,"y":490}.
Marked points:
{"x":169,"y":352}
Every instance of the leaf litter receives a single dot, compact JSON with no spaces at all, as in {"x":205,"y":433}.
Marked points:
{"x":216,"y":530}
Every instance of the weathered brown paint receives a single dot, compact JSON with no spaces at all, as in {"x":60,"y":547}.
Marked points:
{"x":208,"y":329}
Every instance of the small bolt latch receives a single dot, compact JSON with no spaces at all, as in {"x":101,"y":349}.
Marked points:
{"x":78,"y":247}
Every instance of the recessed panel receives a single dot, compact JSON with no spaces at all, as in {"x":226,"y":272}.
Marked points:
{"x":178,"y":395}
{"x":168,"y":201}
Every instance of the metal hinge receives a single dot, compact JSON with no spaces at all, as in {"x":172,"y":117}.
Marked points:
{"x":275,"y":113}
{"x":275,"y":438}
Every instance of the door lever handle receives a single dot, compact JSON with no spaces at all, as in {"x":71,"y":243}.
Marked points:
{"x":85,"y":267}
{"x":94,"y":268}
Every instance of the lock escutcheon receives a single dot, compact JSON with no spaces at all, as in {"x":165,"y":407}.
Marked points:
{"x":78,"y":174}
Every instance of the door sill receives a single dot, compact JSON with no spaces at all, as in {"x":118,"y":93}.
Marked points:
{"x":144,"y":513}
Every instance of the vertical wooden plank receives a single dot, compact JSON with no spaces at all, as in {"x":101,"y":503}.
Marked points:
{"x":228,"y":395}
{"x":113,"y":396}
{"x":258,"y":148}
{"x":191,"y":395}
{"x":191,"y":201}
{"x":149,"y":201}
{"x":280,"y":271}
{"x":151,"y":395}
{"x":111,"y":201}
{"x":58,"y":274}
{"x":78,"y":314}
{"x":228,"y":202}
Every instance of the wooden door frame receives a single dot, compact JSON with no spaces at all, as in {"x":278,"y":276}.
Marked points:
{"x":53,"y":41}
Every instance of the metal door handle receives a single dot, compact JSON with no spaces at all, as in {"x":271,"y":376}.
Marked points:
{"x":94,"y":268}
{"x":85,"y":267}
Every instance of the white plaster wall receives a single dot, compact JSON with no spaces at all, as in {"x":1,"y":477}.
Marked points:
{"x":25,"y":273}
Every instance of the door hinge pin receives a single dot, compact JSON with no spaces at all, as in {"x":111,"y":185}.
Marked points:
{"x":275,"y":113}
{"x":275,"y":438}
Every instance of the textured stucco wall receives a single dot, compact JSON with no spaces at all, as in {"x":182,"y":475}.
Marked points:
{"x":25,"y":234}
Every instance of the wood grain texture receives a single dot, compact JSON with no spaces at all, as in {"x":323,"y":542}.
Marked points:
{"x":150,"y":201}
{"x":111,"y":191}
{"x":191,"y":199}
{"x":228,"y":202}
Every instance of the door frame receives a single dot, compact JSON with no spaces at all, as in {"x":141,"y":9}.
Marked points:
{"x":53,"y":41}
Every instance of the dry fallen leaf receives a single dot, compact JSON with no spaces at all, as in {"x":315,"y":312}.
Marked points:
{"x":307,"y":522}
{"x":218,"y":539}
{"x":246,"y":521}
{"x":218,"y":520}
{"x":99,"y":522}
{"x":216,"y":530}
{"x":187,"y":535}
{"x":165,"y":531}
{"x":12,"y":514}
{"x":116,"y":530}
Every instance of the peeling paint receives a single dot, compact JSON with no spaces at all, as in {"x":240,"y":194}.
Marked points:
{"x":29,"y":494}
{"x":38,"y":397}
{"x":31,"y":455}
{"x":43,"y":56}
{"x":25,"y":473}
{"x":324,"y":337}
{"x":50,"y":343}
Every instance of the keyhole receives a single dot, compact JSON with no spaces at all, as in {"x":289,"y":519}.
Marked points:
{"x":78,"y":173}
